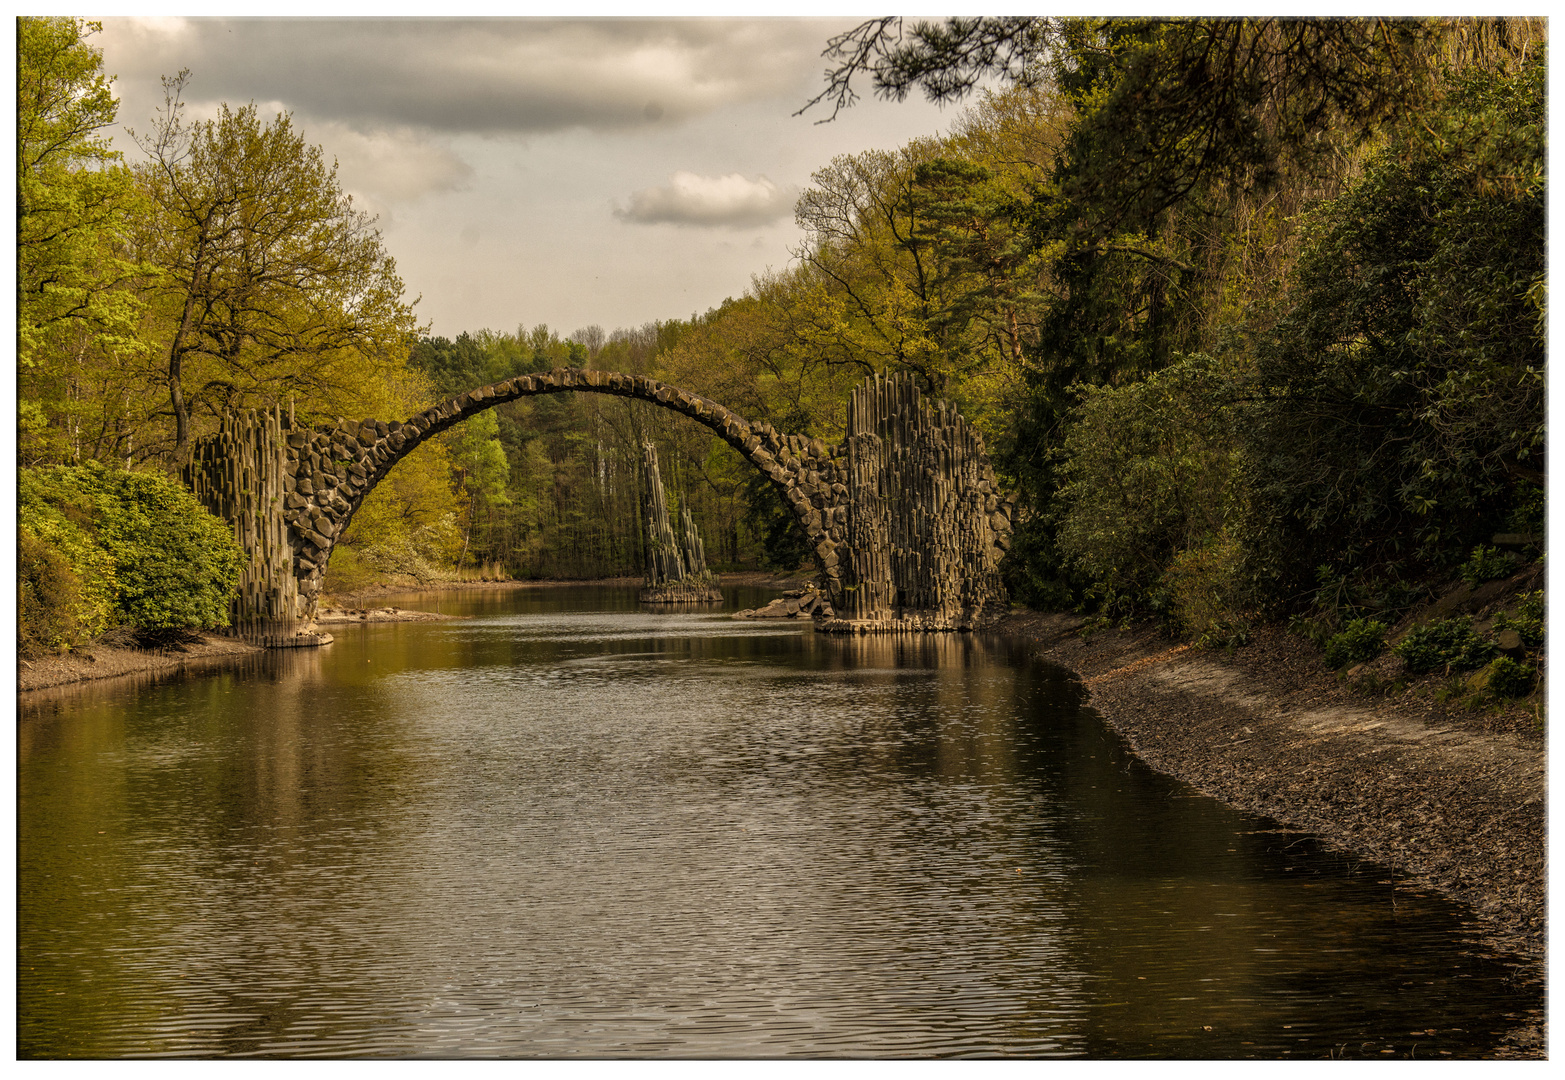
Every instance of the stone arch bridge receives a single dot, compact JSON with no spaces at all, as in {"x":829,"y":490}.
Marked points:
{"x":903,"y":516}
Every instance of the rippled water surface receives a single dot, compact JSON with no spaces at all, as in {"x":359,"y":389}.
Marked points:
{"x":568,"y":827}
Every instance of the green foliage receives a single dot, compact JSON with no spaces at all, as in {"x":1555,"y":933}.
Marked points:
{"x":270,"y":282}
{"x":1447,"y":643}
{"x":145,"y":552}
{"x":1509,"y":678}
{"x":783,"y":545}
{"x":417,"y":553}
{"x":1032,"y":569}
{"x":1529,"y":621}
{"x":1207,"y":594}
{"x":1400,"y":401}
{"x":48,"y":600}
{"x":1529,"y":513}
{"x":1486,"y":564}
{"x":76,"y":313}
{"x":1359,"y":640}
{"x":1150,"y":471}
{"x":176,"y":565}
{"x":59,"y":510}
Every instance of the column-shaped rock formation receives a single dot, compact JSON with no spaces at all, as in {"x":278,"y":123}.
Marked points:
{"x":242,"y":475}
{"x":926,"y":526}
{"x":676,"y":565}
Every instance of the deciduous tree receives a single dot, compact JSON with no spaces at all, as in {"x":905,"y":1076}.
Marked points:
{"x":271,"y":283}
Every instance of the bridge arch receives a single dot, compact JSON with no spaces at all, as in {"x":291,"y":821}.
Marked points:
{"x":903,"y":517}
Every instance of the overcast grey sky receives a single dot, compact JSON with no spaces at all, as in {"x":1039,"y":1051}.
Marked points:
{"x":526,"y":171}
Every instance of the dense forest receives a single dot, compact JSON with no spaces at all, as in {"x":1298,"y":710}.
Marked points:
{"x":1250,"y":312}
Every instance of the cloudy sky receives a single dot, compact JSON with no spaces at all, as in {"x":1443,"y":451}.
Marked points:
{"x":525,"y":171}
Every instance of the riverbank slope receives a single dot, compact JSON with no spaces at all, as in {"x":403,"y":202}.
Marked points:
{"x":1451,"y":796}
{"x":107,"y":658}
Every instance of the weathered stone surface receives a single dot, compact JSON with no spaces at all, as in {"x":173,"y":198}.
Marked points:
{"x":913,"y":558}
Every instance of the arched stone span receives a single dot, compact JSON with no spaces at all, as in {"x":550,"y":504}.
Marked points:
{"x":291,"y":493}
{"x":335,"y":467}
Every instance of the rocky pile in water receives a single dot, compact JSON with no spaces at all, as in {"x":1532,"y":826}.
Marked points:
{"x":809,"y":602}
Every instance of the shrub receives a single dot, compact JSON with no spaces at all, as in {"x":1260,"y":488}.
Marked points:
{"x":1486,"y":564}
{"x":1510,"y":678}
{"x":1149,"y":470}
{"x":1449,"y":642}
{"x":48,"y":598}
{"x":1528,"y":621}
{"x":1404,"y":378}
{"x":417,"y":552}
{"x":145,"y":552}
{"x":58,"y":517}
{"x":1205,"y":591}
{"x":177,"y":565}
{"x":1361,"y":639}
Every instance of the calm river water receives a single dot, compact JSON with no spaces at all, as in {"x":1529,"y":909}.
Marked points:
{"x":568,"y":827}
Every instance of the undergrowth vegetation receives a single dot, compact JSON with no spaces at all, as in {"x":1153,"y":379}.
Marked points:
{"x":101,"y":547}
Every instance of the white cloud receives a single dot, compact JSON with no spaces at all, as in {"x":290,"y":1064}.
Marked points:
{"x":733,"y":201}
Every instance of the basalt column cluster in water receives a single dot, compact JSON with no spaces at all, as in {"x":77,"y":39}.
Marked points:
{"x":904,"y":519}
{"x":926,"y":523}
{"x":676,"y":565}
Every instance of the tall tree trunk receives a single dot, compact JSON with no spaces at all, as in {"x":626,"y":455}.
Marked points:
{"x":176,"y":359}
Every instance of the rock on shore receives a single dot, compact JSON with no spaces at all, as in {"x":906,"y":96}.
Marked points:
{"x":338,"y":616}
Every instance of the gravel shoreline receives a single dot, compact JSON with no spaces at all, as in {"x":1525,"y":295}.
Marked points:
{"x":1454,"y":798}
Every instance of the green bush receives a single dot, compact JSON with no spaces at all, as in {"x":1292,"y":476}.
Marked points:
{"x":1449,"y":642}
{"x":1206,"y":594}
{"x":1510,"y":678}
{"x":1404,"y":380}
{"x":1149,"y":471}
{"x":1486,"y":564}
{"x":59,"y":516}
{"x":1360,"y":640}
{"x":143,"y":551}
{"x":177,"y":565}
{"x":1528,"y":620}
{"x":48,"y":598}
